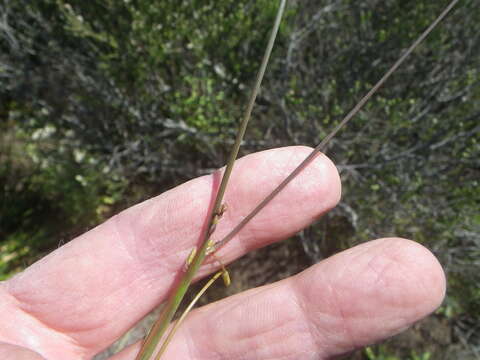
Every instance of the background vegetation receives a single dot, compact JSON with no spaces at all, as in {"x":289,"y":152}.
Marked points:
{"x":106,"y":103}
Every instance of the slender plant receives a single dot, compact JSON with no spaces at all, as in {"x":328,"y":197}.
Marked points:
{"x":207,"y":246}
{"x":196,"y":261}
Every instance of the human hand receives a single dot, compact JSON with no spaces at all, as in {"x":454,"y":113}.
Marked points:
{"x":76,"y":301}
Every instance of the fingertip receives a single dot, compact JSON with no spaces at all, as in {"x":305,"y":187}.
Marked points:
{"x":423,"y":275}
{"x":405,"y":278}
{"x":322,"y":170}
{"x":319,"y":180}
{"x":314,"y":191}
{"x":371,"y":292}
{"x":334,"y":184}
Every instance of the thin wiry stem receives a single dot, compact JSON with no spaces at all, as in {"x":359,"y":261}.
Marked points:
{"x":320,"y":147}
{"x":248,"y":110}
{"x":173,"y":302}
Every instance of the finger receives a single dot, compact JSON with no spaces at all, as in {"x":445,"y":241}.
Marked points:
{"x":351,"y":300}
{"x":100,"y":284}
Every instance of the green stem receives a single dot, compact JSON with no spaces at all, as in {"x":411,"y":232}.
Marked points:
{"x":185,"y":313}
{"x":176,"y":297}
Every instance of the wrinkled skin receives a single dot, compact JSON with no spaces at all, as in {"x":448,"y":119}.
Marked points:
{"x":79,"y":299}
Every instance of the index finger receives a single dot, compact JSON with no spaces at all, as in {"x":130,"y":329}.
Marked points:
{"x":97,"y":286}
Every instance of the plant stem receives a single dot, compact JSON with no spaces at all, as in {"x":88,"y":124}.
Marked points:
{"x":185,"y":313}
{"x":320,"y":147}
{"x":176,"y":297}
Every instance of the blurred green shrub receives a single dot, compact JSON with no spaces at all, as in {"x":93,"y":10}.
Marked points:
{"x":381,"y":353}
{"x":45,"y":199}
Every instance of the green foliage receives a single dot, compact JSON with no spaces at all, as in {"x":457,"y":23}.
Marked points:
{"x":45,"y":199}
{"x":381,"y":353}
